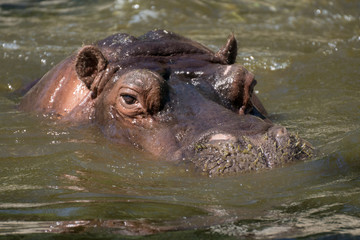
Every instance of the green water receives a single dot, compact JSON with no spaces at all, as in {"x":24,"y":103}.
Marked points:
{"x":71,"y":181}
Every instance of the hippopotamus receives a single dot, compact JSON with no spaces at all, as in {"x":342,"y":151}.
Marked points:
{"x":171,"y":97}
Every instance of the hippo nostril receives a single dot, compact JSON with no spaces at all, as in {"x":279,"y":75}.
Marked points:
{"x":280,"y":134}
{"x":222,"y":137}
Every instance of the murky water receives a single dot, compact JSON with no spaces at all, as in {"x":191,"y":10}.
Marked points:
{"x":306,"y":56}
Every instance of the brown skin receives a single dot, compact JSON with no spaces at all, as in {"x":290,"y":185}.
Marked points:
{"x":171,"y":97}
{"x":59,"y":91}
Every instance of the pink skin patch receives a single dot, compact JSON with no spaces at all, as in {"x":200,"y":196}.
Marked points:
{"x":222,"y":137}
{"x":227,"y":70}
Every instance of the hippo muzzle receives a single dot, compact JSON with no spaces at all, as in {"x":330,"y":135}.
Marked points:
{"x":225,"y":153}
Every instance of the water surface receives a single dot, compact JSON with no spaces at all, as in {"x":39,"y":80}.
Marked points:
{"x":306,"y":58}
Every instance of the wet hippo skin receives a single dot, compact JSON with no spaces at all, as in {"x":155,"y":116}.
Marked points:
{"x":169,"y":96}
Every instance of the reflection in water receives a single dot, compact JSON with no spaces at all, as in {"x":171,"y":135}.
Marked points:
{"x":279,"y":225}
{"x":23,"y":227}
{"x":305,"y":55}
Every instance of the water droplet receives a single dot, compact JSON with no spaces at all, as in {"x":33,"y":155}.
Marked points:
{"x":136,"y":6}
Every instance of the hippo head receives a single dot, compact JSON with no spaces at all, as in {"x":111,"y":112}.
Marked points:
{"x":171,"y":97}
{"x":179,"y":101}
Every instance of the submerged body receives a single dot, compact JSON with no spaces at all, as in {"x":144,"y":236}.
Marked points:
{"x":169,"y":96}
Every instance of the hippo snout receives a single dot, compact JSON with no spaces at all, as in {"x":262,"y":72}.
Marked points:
{"x":225,"y":153}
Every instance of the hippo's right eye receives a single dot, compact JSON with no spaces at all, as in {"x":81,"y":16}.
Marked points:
{"x":128,"y":99}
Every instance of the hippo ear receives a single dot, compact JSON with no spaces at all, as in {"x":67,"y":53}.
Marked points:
{"x":89,"y":63}
{"x":228,"y":53}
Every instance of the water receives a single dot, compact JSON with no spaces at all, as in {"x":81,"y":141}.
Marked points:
{"x":71,"y":180}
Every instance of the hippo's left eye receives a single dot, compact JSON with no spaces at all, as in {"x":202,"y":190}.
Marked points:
{"x":128,"y":99}
{"x":139,"y":94}
{"x":130,"y":102}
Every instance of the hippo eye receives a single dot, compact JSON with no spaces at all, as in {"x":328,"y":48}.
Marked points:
{"x":129,"y":103}
{"x":128,"y":99}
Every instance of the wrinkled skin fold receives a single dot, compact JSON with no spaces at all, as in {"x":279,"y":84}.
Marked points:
{"x":171,"y":97}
